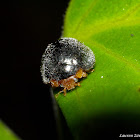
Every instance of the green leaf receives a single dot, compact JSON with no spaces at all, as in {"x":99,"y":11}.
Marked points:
{"x":6,"y":133}
{"x":111,"y":28}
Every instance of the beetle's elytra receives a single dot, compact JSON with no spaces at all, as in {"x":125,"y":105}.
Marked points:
{"x":65,"y":61}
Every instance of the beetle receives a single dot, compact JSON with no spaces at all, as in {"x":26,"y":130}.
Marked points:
{"x":64,"y":62}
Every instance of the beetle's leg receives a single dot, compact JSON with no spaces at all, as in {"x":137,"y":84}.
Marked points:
{"x":92,"y":70}
{"x":84,"y":74}
{"x":77,"y":84}
{"x":58,"y":93}
{"x":65,"y":91}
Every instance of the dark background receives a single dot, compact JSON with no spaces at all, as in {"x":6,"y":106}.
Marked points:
{"x":25,"y":102}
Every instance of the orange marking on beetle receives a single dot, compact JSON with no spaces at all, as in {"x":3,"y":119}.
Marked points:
{"x":55,"y":83}
{"x":69,"y":83}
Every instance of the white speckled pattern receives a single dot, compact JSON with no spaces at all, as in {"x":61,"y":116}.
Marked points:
{"x":64,"y":58}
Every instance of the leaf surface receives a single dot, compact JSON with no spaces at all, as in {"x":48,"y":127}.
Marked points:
{"x":6,"y":133}
{"x":112,"y":30}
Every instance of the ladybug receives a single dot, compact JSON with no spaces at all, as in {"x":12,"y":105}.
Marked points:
{"x":66,"y":61}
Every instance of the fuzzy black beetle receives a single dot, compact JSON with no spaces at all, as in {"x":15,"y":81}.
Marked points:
{"x":65,"y":61}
